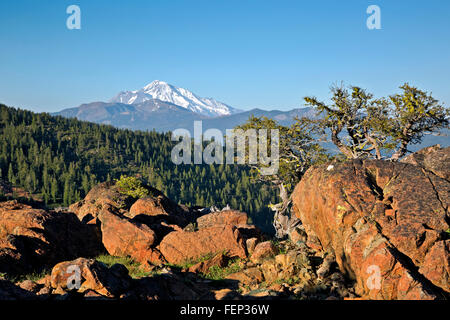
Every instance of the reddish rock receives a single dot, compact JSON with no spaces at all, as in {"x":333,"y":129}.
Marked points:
{"x":263,"y":250}
{"x":226,"y":217}
{"x":85,"y":275}
{"x":383,"y":221}
{"x":34,"y":238}
{"x":104,"y":195}
{"x":157,"y":208}
{"x":434,"y":159}
{"x":247,"y":277}
{"x":219,"y":260}
{"x":225,"y":294}
{"x":181,"y":246}
{"x":297,"y":235}
{"x":251,"y":245}
{"x":436,"y":266}
{"x":92,"y":295}
{"x":9,"y":291}
{"x":122,"y":237}
{"x":30,"y":286}
{"x":249,"y":231}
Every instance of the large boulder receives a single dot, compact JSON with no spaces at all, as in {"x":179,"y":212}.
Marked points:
{"x":181,"y":246}
{"x":434,"y":159}
{"x":218,"y":260}
{"x":33,"y":238}
{"x":153,"y":208}
{"x":232,"y":218}
{"x":225,"y":217}
{"x":263,"y":250}
{"x":103,"y":195}
{"x":123,"y":237}
{"x":87,"y":275}
{"x":386,"y":223}
{"x":156,"y":208}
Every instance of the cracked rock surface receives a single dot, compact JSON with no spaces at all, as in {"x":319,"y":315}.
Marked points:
{"x":386,"y":223}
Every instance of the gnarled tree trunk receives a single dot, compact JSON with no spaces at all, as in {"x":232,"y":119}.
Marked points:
{"x":283,"y":221}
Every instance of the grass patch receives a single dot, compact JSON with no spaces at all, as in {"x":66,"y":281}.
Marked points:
{"x":33,"y":276}
{"x":191,"y":262}
{"x":218,"y":273}
{"x":135,"y":269}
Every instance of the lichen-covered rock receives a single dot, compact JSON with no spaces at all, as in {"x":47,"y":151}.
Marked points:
{"x":103,"y":195}
{"x":84,"y":275}
{"x":219,"y":260}
{"x":434,"y":159}
{"x":181,"y":246}
{"x":229,"y":217}
{"x":34,"y":238}
{"x":385,"y":223}
{"x":158,"y":207}
{"x":263,"y":250}
{"x":123,"y":237}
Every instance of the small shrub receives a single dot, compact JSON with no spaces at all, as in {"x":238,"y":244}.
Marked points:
{"x":132,"y":186}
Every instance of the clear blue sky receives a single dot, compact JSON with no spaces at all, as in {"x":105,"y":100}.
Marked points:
{"x":246,"y":53}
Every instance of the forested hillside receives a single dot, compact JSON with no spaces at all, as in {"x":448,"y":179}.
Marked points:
{"x":60,"y":159}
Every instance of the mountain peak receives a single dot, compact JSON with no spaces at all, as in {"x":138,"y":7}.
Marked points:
{"x":184,"y":98}
{"x":155,"y":83}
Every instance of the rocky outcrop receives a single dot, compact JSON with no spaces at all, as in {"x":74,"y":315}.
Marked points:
{"x":219,"y":260}
{"x":225,"y":217}
{"x":232,"y":218}
{"x":152,"y":209}
{"x":9,"y":291}
{"x":263,"y":250}
{"x":122,"y":237}
{"x":88,"y":276}
{"x":291,"y":274}
{"x":156,"y":208}
{"x":103,"y":195}
{"x":33,"y":238}
{"x":181,"y":246}
{"x":386,"y":223}
{"x":155,"y":233}
{"x":433,"y":159}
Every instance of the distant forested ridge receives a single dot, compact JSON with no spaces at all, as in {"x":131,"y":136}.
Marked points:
{"x":61,"y":159}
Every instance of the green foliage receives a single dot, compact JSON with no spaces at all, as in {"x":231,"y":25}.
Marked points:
{"x":362,"y":126}
{"x":135,"y":269}
{"x":447,"y":233}
{"x":298,"y":150}
{"x":60,"y":160}
{"x":357,"y":122}
{"x":218,"y":273}
{"x":415,"y":112}
{"x":132,"y":186}
{"x":34,"y":276}
{"x":191,"y":262}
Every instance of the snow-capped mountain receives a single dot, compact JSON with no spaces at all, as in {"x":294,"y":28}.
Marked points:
{"x":178,"y":96}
